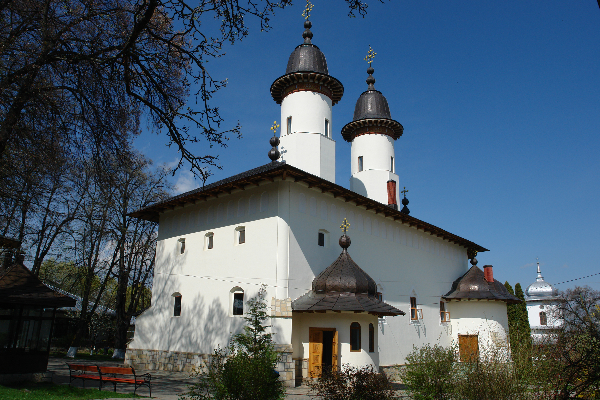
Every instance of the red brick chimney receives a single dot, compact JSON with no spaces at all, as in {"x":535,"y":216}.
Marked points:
{"x":391,"y":192}
{"x":488,"y":273}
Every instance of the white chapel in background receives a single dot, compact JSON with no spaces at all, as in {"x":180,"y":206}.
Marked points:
{"x":542,"y":309}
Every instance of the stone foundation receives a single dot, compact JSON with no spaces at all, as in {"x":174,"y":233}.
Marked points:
{"x":163,"y":360}
{"x":178,"y":361}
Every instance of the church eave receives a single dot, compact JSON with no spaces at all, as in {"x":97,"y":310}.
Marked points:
{"x":279,"y":88}
{"x":280,"y":170}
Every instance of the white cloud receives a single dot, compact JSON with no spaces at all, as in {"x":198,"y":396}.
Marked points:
{"x":528,"y":265}
{"x":185,"y":182}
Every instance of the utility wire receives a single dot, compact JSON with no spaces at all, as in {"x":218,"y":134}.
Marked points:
{"x":576,"y":279}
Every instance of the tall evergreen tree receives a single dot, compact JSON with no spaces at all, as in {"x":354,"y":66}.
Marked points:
{"x":522,"y":317}
{"x":511,"y":311}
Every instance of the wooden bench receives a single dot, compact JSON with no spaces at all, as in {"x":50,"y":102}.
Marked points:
{"x":112,"y":375}
{"x":84,"y":372}
{"x":116,"y":375}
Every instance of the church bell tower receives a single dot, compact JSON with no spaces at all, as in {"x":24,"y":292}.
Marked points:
{"x":372,"y":135}
{"x":306,"y":94}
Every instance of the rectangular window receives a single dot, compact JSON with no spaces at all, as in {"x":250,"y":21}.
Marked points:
{"x":355,"y":336}
{"x":209,"y":241}
{"x":380,"y":296}
{"x":360,"y":163}
{"x":392,"y":165}
{"x":327,"y":128}
{"x":181,"y":245}
{"x":444,"y":315}
{"x":177,"y":307}
{"x":413,"y":309}
{"x":238,"y":304}
{"x":371,"y":338}
{"x":321,"y":239}
{"x":241,"y":236}
{"x":289,"y":125}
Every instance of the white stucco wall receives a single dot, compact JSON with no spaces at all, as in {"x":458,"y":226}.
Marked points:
{"x":487,"y":319}
{"x":308,"y":146}
{"x":205,"y":278}
{"x":376,"y":150}
{"x":543,"y":333}
{"x":341,"y":322}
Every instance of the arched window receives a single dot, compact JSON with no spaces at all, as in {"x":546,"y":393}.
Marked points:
{"x":237,"y":301}
{"x":355,"y":336}
{"x":543,"y":318}
{"x":176,"y":304}
{"x":371,"y":338}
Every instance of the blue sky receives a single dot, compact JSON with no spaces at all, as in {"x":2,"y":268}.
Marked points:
{"x":500,"y":103}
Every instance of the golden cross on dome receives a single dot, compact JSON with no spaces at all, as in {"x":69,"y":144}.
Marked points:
{"x":345,"y":226}
{"x":404,"y":191}
{"x":274,"y":128}
{"x":370,"y":56}
{"x":307,"y":9}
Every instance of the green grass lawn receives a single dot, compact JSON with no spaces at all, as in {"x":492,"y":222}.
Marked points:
{"x":49,"y":391}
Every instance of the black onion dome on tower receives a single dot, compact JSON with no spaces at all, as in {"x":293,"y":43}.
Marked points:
{"x":372,"y":114}
{"x":307,"y":70}
{"x":344,"y":286}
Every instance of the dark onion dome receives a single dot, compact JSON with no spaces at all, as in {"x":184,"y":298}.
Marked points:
{"x":307,"y":71}
{"x":473,"y":285}
{"x":344,"y":286}
{"x":372,"y":115}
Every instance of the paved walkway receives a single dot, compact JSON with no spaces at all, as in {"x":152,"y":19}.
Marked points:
{"x":165,"y":385}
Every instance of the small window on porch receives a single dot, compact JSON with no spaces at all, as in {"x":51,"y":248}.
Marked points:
{"x":355,"y":336}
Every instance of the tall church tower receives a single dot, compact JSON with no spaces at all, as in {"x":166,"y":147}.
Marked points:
{"x":307,"y":93}
{"x":372,"y":134}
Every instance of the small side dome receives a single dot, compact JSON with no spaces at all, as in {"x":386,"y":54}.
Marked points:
{"x":540,"y":288}
{"x":371,"y":104}
{"x":307,"y":58}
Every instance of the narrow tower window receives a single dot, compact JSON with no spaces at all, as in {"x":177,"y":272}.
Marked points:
{"x":321,"y":240}
{"x":371,"y":338}
{"x":543,"y":318}
{"x":209,"y":240}
{"x":392,"y":165}
{"x":289,"y":125}
{"x":240,"y":235}
{"x":355,"y":336}
{"x":327,"y":134}
{"x":360,"y":163}
{"x":177,"y":305}
{"x":181,"y":245}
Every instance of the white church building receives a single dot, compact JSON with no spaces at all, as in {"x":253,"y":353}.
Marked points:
{"x":543,"y":304}
{"x":278,"y":224}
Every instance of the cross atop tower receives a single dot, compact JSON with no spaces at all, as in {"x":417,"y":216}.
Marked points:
{"x":307,"y":10}
{"x":370,"y":56}
{"x":404,"y":191}
{"x":345,"y":226}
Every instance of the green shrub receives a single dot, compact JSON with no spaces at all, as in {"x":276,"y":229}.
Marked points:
{"x":429,"y":374}
{"x":353,"y":383}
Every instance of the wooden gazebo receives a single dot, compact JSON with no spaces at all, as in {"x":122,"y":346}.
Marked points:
{"x":27,"y":310}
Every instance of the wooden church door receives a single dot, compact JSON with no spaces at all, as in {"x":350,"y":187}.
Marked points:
{"x":322,"y":340}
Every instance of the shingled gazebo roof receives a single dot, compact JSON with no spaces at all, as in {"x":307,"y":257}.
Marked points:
{"x":19,"y":286}
{"x":344,"y":286}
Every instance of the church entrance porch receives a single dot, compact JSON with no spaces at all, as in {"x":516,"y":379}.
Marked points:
{"x":323,"y":355}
